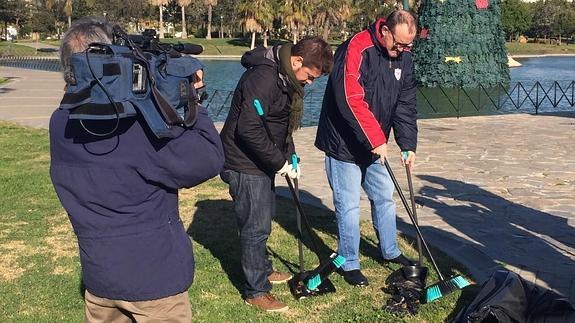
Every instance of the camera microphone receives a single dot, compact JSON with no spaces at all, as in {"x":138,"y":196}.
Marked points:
{"x":191,"y":49}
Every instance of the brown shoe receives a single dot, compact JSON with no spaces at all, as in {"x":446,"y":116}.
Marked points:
{"x":277,"y":277}
{"x":267,"y":302}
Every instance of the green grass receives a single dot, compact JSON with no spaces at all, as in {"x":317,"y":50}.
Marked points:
{"x":539,"y":49}
{"x":3,"y":80}
{"x":9,"y":48}
{"x":40,"y":271}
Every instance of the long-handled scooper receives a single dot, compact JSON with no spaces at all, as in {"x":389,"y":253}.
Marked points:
{"x":305,"y":283}
{"x":413,"y":206}
{"x":444,"y":286}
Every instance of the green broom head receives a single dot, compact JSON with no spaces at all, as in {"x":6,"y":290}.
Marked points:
{"x":445,"y":287}
{"x":324,"y":270}
{"x":338,"y":261}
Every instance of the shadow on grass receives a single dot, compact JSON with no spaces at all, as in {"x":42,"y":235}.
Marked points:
{"x":214,"y":227}
{"x":323,"y":219}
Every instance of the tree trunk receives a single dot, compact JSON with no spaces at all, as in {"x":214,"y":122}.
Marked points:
{"x":184,"y":31}
{"x":253,"y":40}
{"x":294,"y":33}
{"x":344,"y":30}
{"x":17,"y":28}
{"x":265,"y":35}
{"x":161,"y":21}
{"x":69,"y":22}
{"x":326,"y":28}
{"x":209,"y":35}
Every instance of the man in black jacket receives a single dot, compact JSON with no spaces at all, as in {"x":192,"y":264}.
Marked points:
{"x":275,"y":77}
{"x":370,"y":90}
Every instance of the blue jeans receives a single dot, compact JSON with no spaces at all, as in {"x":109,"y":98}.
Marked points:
{"x":345,"y":180}
{"x":254,"y":204}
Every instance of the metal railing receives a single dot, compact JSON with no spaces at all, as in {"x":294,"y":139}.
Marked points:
{"x":517,"y":96}
{"x":44,"y":63}
{"x":527,"y":96}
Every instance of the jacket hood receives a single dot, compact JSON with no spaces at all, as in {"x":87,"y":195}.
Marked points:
{"x":374,"y":31}
{"x":259,"y":56}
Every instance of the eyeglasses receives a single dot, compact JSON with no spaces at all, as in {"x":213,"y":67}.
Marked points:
{"x":399,"y":46}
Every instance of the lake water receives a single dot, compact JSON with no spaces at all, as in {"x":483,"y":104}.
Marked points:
{"x":222,"y":76}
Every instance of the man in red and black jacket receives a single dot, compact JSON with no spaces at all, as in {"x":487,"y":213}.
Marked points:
{"x":371,"y":90}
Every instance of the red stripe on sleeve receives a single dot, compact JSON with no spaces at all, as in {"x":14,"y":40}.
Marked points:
{"x":354,"y":94}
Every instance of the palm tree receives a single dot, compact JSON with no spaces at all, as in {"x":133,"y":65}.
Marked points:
{"x":254,"y":27}
{"x":331,"y":12}
{"x":296,"y":15}
{"x":258,"y":17}
{"x":183,"y":4}
{"x":345,"y":13}
{"x":160,"y":4}
{"x":68,"y":12}
{"x":210,"y":4}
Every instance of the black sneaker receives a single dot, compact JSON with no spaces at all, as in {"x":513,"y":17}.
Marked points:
{"x":402,"y":260}
{"x":354,"y":277}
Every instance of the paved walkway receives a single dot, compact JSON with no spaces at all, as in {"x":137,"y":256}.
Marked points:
{"x":491,"y":190}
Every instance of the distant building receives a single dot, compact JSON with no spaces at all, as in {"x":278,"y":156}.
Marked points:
{"x":9,"y":34}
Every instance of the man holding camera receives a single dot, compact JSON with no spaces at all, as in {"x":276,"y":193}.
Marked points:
{"x":121,"y":194}
{"x":372,"y":89}
{"x":275,"y":77}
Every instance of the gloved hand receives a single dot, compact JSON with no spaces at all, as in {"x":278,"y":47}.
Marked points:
{"x":288,"y":170}
{"x":297,"y":170}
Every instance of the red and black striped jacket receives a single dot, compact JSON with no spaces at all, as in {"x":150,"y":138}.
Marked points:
{"x":367,"y":94}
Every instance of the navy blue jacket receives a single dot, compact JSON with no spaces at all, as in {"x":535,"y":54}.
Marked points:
{"x":121,"y":195}
{"x":367,"y":94}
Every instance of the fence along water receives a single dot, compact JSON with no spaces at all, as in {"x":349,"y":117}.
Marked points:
{"x":525,"y":96}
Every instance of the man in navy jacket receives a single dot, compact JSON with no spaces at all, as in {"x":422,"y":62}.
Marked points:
{"x":371,"y":89}
{"x":121,"y":195}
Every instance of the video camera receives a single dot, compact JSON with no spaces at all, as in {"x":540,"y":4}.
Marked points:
{"x":148,"y":41}
{"x":136,"y":73}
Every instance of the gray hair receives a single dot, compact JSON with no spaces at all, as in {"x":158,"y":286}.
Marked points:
{"x":82,"y":33}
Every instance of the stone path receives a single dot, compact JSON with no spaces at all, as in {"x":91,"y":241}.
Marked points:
{"x":492,"y":190}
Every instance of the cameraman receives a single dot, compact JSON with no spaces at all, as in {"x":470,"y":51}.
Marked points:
{"x":121,"y":195}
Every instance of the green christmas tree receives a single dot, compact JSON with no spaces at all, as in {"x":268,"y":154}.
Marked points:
{"x":461,"y":43}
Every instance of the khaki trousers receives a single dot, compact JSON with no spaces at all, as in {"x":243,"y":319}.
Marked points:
{"x":174,"y":309}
